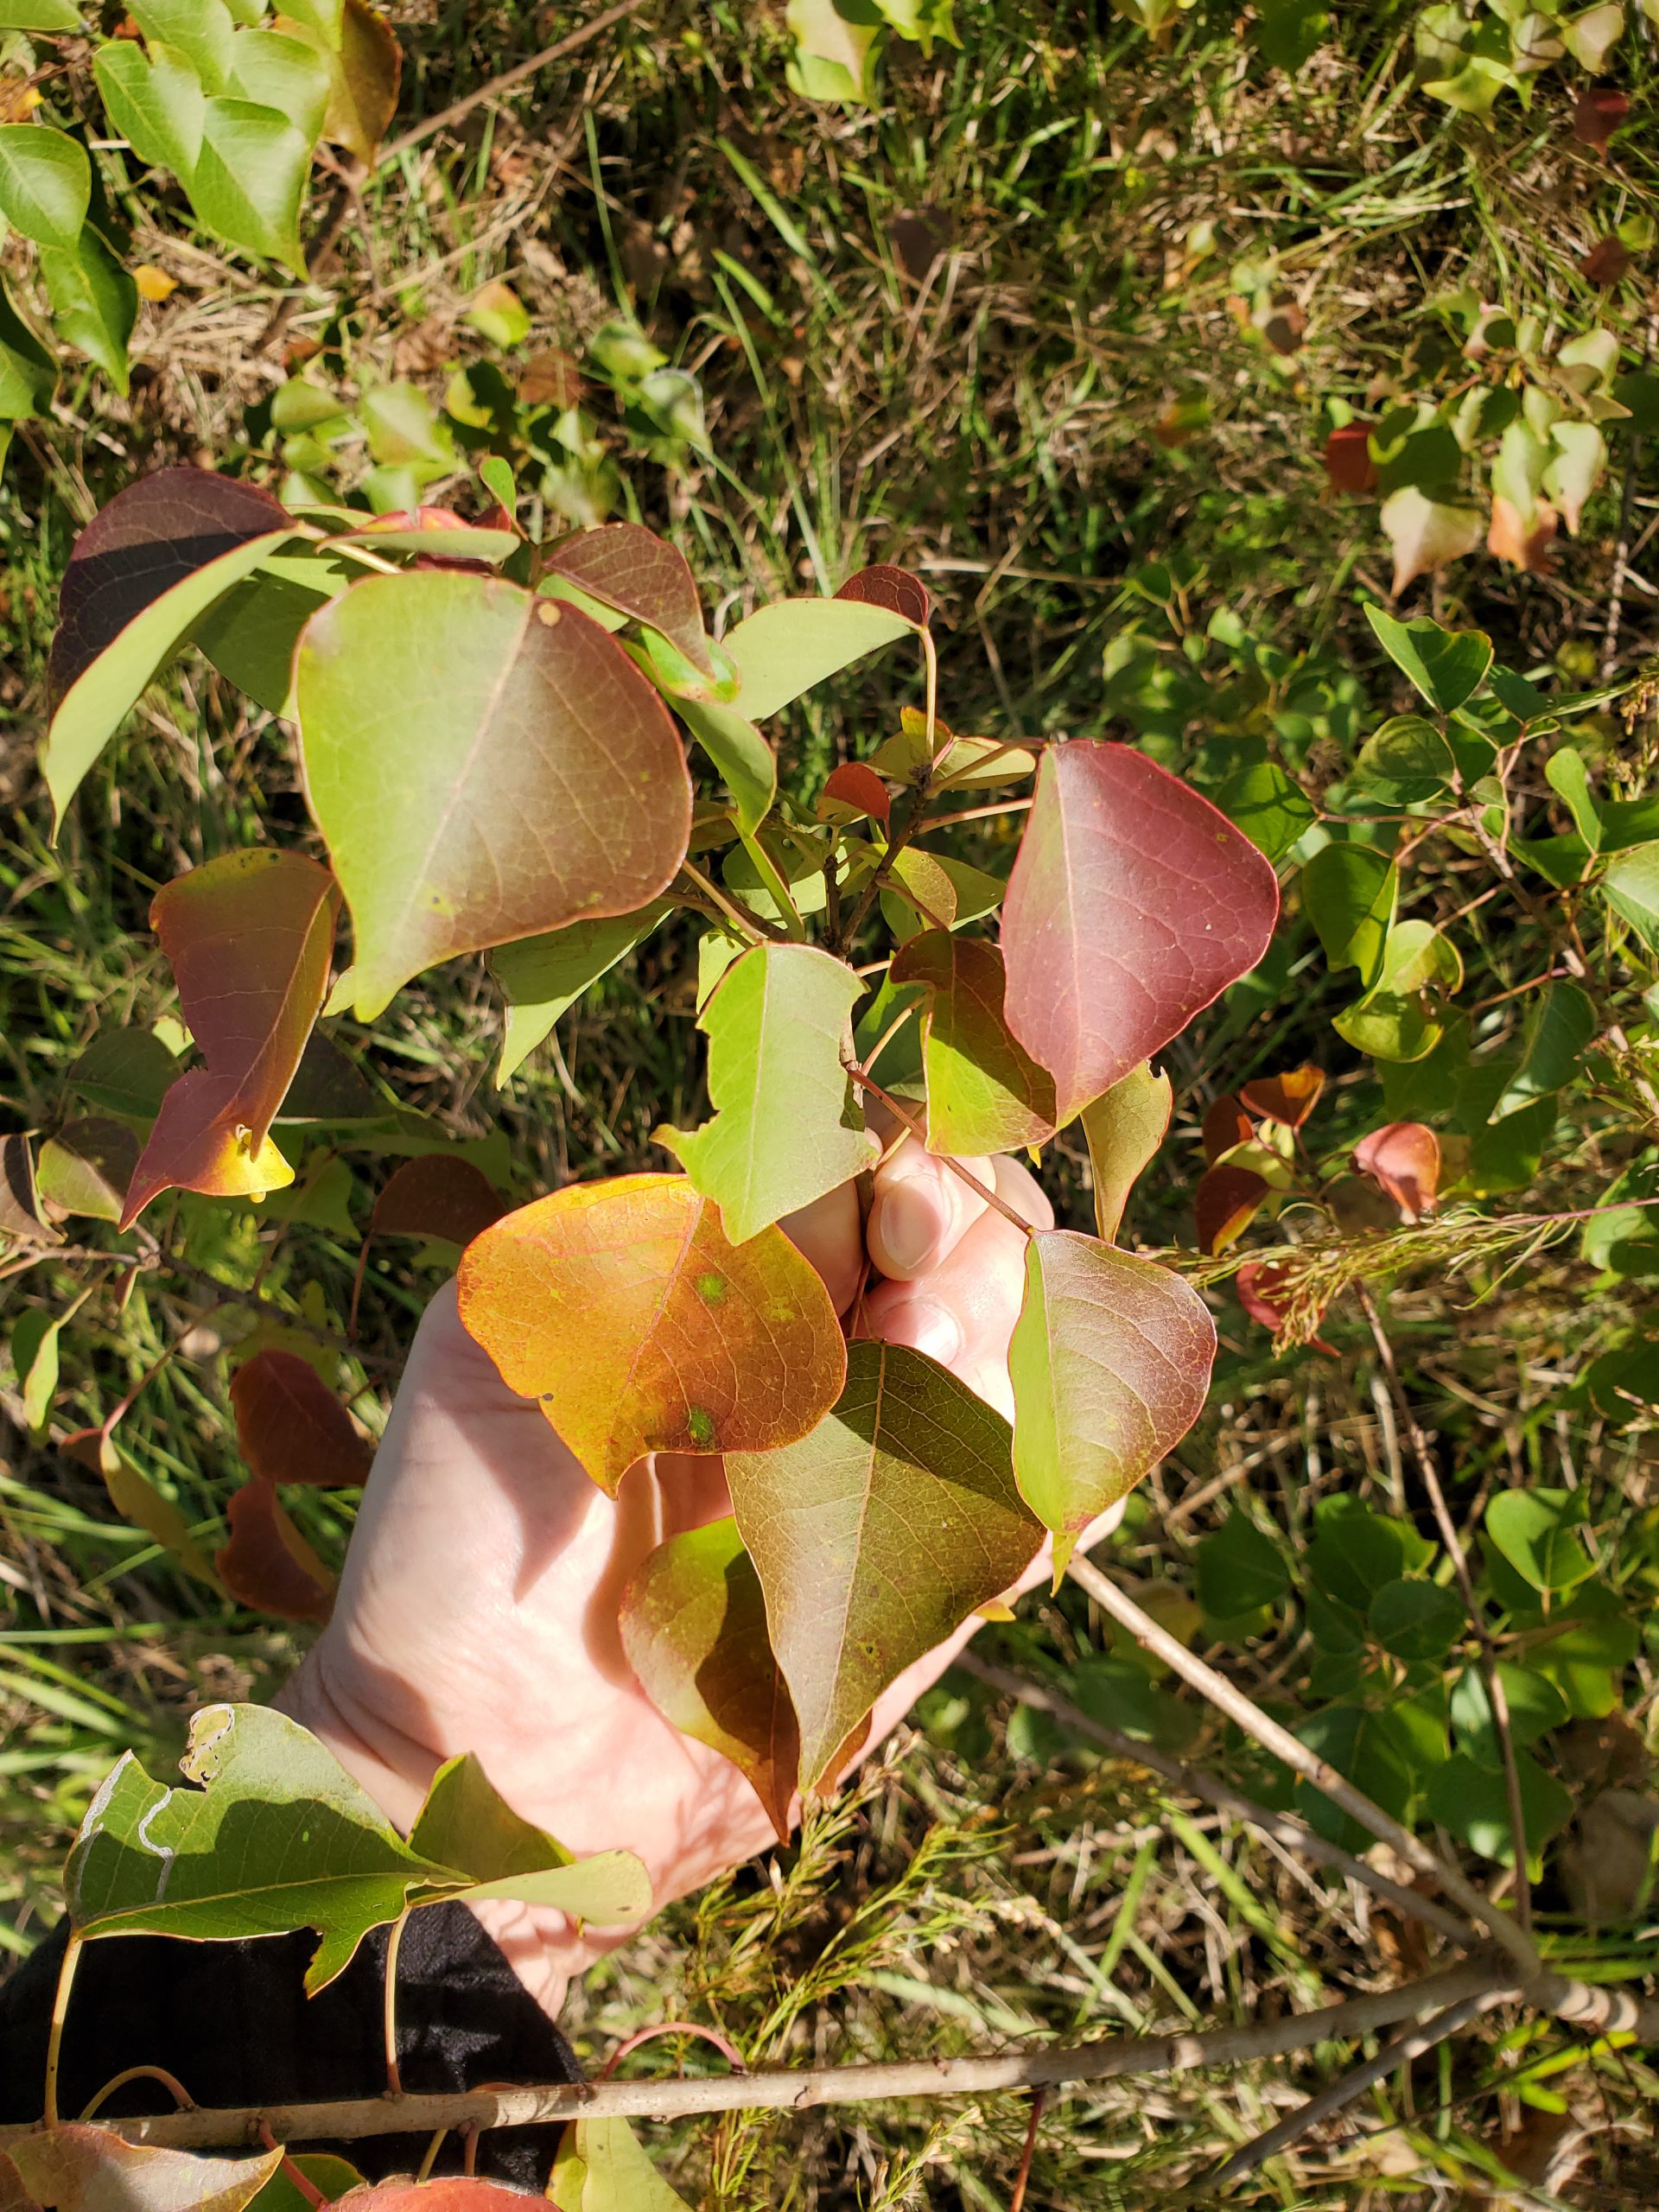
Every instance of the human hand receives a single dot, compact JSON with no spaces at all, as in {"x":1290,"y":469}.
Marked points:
{"x":478,"y":1608}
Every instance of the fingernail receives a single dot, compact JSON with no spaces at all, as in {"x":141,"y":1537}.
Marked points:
{"x":910,"y":1225}
{"x":934,"y":1330}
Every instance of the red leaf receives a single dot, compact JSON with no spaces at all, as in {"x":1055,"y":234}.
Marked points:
{"x":1225,"y":1124}
{"x":291,"y":1427}
{"x":895,"y":588}
{"x":436,"y":1196}
{"x":629,"y":568}
{"x":1288,"y":1098}
{"x":1226,"y":1203}
{"x":1599,"y":111}
{"x":267,"y":1565}
{"x":1510,"y":538}
{"x":1132,"y":904}
{"x":856,"y":785}
{"x":249,"y":937}
{"x":1606,"y":261}
{"x":1259,"y":1284}
{"x":1347,"y":462}
{"x":1405,"y":1158}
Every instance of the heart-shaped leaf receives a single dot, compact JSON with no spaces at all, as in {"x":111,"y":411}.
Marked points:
{"x":876,"y":1536}
{"x":155,"y":101}
{"x":1447,"y":666}
{"x":984,"y":1093}
{"x":539,"y":781}
{"x":1110,"y":1360}
{"x":694,"y":1626}
{"x":1123,"y":1129}
{"x":640,"y":1327}
{"x":267,"y":1565}
{"x":787,"y":1126}
{"x":1132,"y":904}
{"x":143,"y":571}
{"x":291,"y":1427}
{"x":249,"y":937}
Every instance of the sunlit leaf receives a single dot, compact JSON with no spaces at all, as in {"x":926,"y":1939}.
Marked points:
{"x":601,"y":2167}
{"x":1630,"y":887}
{"x":854,"y":792}
{"x":1288,"y":1098}
{"x":539,"y":781}
{"x":267,"y":1565}
{"x":1110,"y":1360}
{"x":275,"y":1835}
{"x":1405,"y":1159}
{"x":1271,"y":811}
{"x":630,"y":568}
{"x":80,"y":2169}
{"x":368,"y":64}
{"x":46,"y":183}
{"x":984,"y":1093}
{"x":542,"y":977}
{"x":744,"y":759}
{"x":201,"y":30}
{"x":276,"y":70}
{"x":136,"y":1499}
{"x":142,"y":572}
{"x":155,"y":101}
{"x":249,"y":937}
{"x":694,"y":1627}
{"x":465,"y":1823}
{"x":1447,"y":666}
{"x":250,"y":177}
{"x":1132,"y":904}
{"x":1578,"y":458}
{"x":93,"y":301}
{"x":1123,"y":1129}
{"x":290,"y":1425}
{"x":1426,"y":534}
{"x":877,"y":1534}
{"x":1561,"y":1024}
{"x":35,"y":1363}
{"x":626,"y":1311}
{"x":1591,"y":37}
{"x":785,"y":649}
{"x":788,"y":1125}
{"x":885,"y":584}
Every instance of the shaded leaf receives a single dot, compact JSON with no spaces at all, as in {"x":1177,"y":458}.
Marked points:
{"x":20,"y":1203}
{"x":88,"y":1167}
{"x":788,"y":1125}
{"x":81,"y":2169}
{"x":267,"y":1565}
{"x":627,"y":567}
{"x":465,"y":1823}
{"x":1525,"y":541}
{"x":437,"y":1195}
{"x":540,"y":781}
{"x":947,"y":892}
{"x":1426,"y":534}
{"x":984,"y":1093}
{"x":854,"y":790}
{"x":201,"y":30}
{"x":94,"y":302}
{"x":785,"y":649}
{"x":876,"y":1535}
{"x":1348,"y":463}
{"x":1404,"y":1158}
{"x":1110,"y":1359}
{"x":35,"y":1360}
{"x":542,"y":977}
{"x":249,"y":937}
{"x":1598,"y":113}
{"x":1132,"y":904}
{"x":1239,"y":1570}
{"x":1417,"y":1620}
{"x":126,"y":1071}
{"x":1473,"y":1800}
{"x":625,"y":1309}
{"x":1630,"y":887}
{"x":1288,"y":1098}
{"x":1225,"y":1125}
{"x":291,"y":1427}
{"x":1123,"y":1129}
{"x":1349,"y":894}
{"x":142,"y":572}
{"x":28,"y":375}
{"x":136,"y":1499}
{"x":1537,"y":1531}
{"x":694,"y":1628}
{"x":1561,"y":1024}
{"x":1225,"y":1204}
{"x":224,"y":1860}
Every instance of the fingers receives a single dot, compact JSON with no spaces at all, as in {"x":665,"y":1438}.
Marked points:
{"x":962,"y":1312}
{"x":827,"y":1233}
{"x":921,"y":1211}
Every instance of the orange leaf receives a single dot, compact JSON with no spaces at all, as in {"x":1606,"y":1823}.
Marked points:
{"x":855,"y":786}
{"x":623,"y":1308}
{"x":1226,"y":1203}
{"x":448,"y":2193}
{"x":1405,"y":1158}
{"x":436,"y":1195}
{"x":249,"y":937}
{"x":1225,"y":1124}
{"x":1510,"y":538}
{"x":267,"y":1565}
{"x":291,"y":1427}
{"x":1288,"y":1098}
{"x":1348,"y":463}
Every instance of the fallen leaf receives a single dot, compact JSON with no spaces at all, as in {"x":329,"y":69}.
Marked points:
{"x":267,"y":1565}
{"x":1404,"y":1158}
{"x":1598,"y":113}
{"x":1606,"y":261}
{"x":152,"y":283}
{"x":292,"y":1428}
{"x":623,"y":1308}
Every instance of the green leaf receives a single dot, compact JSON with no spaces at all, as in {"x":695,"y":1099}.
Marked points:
{"x":1567,"y":777}
{"x":1630,"y":887}
{"x":1536,"y":1530}
{"x":326,"y":17}
{"x":1534,"y":1703}
{"x":1123,"y":1129}
{"x":1271,"y":809}
{"x":1473,"y":1800}
{"x":46,"y":183}
{"x":276,"y":1836}
{"x":34,"y":1360}
{"x":86,"y":1168}
{"x":1404,"y":762}
{"x":878,"y":1535}
{"x":252,"y":634}
{"x":156,"y":103}
{"x":250,"y":177}
{"x":1578,"y":458}
{"x":1447,"y":666}
{"x":275,"y":71}
{"x":1356,"y":1552}
{"x":94,"y":302}
{"x":29,"y":376}
{"x":788,"y":1125}
{"x":542,"y":977}
{"x":603,"y":2167}
{"x":1239,"y":1570}
{"x":1348,"y":893}
{"x":786,"y":648}
{"x":984,"y":1093}
{"x":1585,"y":1660}
{"x":694,"y":1628}
{"x":1397,"y":1018}
{"x":1362,"y":1745}
{"x":40,"y":16}
{"x":1560,"y":1025}
{"x":540,"y":781}
{"x":740,"y":753}
{"x":1109,"y":1360}
{"x":1416,"y":1620}
{"x":201,"y":31}
{"x":467,"y":1825}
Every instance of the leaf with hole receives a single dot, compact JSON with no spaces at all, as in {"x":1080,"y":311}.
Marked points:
{"x":1123,"y":1129}
{"x":542,"y":977}
{"x":625,"y":1309}
{"x":249,"y":937}
{"x":1110,"y":1360}
{"x":984,"y":1093}
{"x":540,"y":781}
{"x":1132,"y":904}
{"x":877,"y":1534}
{"x":788,"y":1125}
{"x":694,"y":1628}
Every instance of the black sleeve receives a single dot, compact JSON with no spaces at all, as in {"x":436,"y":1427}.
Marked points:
{"x":233,"y":2023}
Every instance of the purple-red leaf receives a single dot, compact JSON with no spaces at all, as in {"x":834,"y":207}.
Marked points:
{"x":249,"y":937}
{"x":1404,"y":1158}
{"x":267,"y":1565}
{"x":1600,"y":109}
{"x":1348,"y":463}
{"x":1132,"y":904}
{"x":1225,"y":1124}
{"x":882,"y":584}
{"x":630,"y":570}
{"x":1226,"y":1203}
{"x":291,"y":1427}
{"x":436,"y":1195}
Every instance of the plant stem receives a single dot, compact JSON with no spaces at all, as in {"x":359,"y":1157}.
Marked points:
{"x":1022,"y":2179}
{"x":1283,"y":1828}
{"x":55,"y":2034}
{"x":170,"y":2083}
{"x":746,"y":923}
{"x":389,"y":2004}
{"x":1449,"y":1537}
{"x":866,"y":1081}
{"x":727,"y":2050}
{"x":1249,"y":1716}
